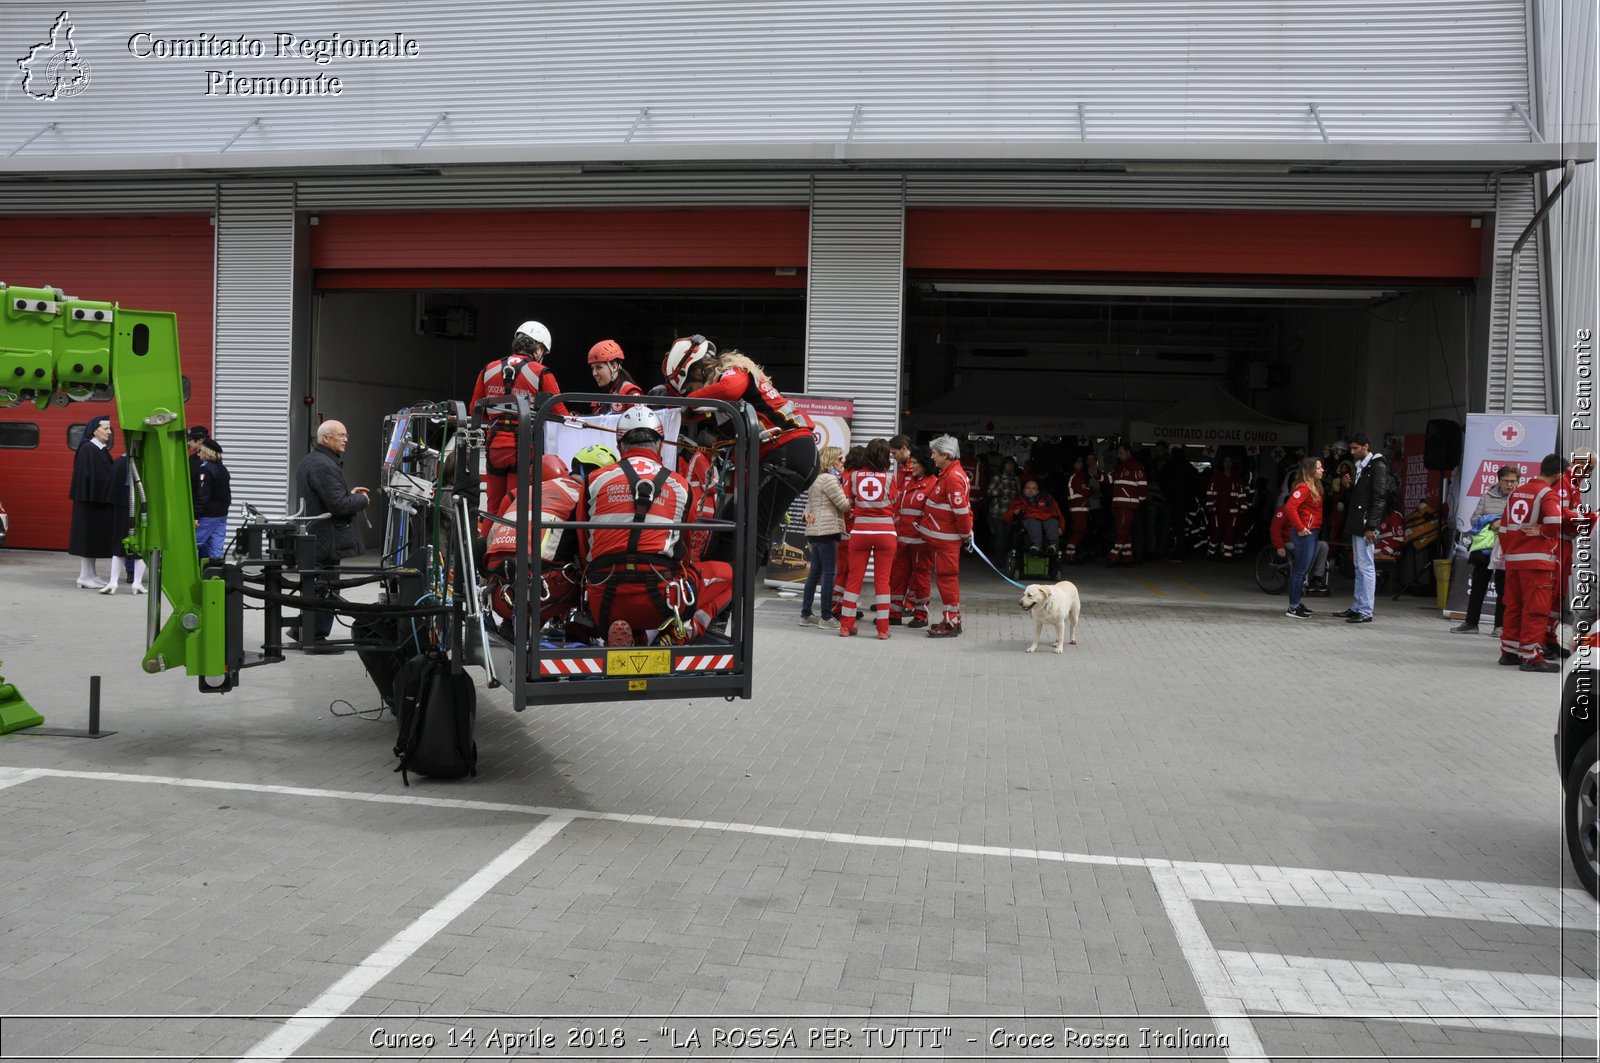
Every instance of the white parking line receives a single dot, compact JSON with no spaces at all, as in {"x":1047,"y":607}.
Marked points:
{"x":347,"y":991}
{"x":1224,"y":1002}
{"x":1445,"y":996}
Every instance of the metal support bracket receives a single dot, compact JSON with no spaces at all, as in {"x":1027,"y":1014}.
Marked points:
{"x":1317,"y":114}
{"x":1538,"y":138}
{"x":1083,"y":123}
{"x":638,"y":120}
{"x":30,"y":140}
{"x":443,"y":116}
{"x":855,"y":119}
{"x":242,"y":131}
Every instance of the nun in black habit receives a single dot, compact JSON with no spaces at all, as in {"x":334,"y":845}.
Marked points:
{"x":94,"y":502}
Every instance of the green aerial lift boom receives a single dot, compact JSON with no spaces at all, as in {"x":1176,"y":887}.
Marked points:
{"x":54,"y":348}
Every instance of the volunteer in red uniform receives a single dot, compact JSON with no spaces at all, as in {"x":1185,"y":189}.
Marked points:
{"x":1530,"y":538}
{"x":560,"y":495}
{"x":605,"y":365}
{"x":854,"y":459}
{"x":522,"y":370}
{"x":871,"y":494}
{"x":1040,"y":516}
{"x":705,"y":490}
{"x":1128,"y":490}
{"x":909,"y":585}
{"x":788,"y":442}
{"x":900,"y":451}
{"x":635,"y":575}
{"x":1083,"y":486}
{"x":1569,"y":493}
{"x":946,"y":525}
{"x":1227,"y":495}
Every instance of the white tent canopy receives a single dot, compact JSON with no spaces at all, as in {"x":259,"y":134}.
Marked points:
{"x":1015,"y":405}
{"x":1212,"y":417}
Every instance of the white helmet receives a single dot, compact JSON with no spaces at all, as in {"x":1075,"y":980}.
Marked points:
{"x":637,"y":417}
{"x":535,"y":332}
{"x":680,"y":356}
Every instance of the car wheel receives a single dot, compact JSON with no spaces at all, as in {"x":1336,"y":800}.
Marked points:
{"x":1578,"y":821}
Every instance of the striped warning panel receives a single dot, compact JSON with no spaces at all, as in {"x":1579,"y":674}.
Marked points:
{"x":703,"y":662}
{"x":572,"y":666}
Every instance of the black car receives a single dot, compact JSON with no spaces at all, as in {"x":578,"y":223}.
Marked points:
{"x":1578,"y":760}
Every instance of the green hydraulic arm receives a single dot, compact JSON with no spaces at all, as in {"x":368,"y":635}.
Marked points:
{"x":54,"y":348}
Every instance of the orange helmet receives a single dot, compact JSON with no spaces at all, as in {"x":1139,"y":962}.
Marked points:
{"x":605,"y":351}
{"x":551,"y":467}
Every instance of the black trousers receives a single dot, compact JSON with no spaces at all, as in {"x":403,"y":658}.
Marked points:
{"x":1478,"y":588}
{"x":785,"y":472}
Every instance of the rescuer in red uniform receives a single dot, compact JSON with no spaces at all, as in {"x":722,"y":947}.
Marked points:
{"x":1226,"y":494}
{"x":1128,"y":490}
{"x":788,"y":442}
{"x":636,"y":577}
{"x":909,"y":585}
{"x":605,"y":365}
{"x":1083,"y":493}
{"x":560,"y":495}
{"x":1530,"y":538}
{"x":946,"y":525}
{"x":1569,"y":493}
{"x":871,"y":494}
{"x":522,"y":370}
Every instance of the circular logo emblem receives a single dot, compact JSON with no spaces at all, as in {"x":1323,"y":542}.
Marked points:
{"x":870,"y":489}
{"x":1520,"y":508}
{"x":1509,"y":433}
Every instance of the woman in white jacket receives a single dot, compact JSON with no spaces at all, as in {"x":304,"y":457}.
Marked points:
{"x":826,"y":507}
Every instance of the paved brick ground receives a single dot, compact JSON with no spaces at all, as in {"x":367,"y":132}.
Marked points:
{"x":1192,"y":724}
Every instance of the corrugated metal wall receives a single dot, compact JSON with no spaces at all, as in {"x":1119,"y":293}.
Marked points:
{"x":1566,"y":35}
{"x":255,"y":304}
{"x":1526,"y":388}
{"x":776,"y":71}
{"x":854,"y":300}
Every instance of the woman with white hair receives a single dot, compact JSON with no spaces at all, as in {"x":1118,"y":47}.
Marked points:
{"x":946,"y":526}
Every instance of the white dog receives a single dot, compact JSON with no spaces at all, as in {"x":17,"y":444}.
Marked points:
{"x":1055,"y":605}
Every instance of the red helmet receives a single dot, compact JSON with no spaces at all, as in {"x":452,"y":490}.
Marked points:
{"x":605,"y":351}
{"x":551,"y":467}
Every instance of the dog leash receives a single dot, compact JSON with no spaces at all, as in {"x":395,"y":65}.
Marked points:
{"x":973,"y":546}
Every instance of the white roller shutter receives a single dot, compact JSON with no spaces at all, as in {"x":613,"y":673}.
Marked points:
{"x":255,"y":312}
{"x":1525,"y":388}
{"x":853,"y":306}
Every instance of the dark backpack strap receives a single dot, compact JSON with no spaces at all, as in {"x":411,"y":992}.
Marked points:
{"x":642,"y":501}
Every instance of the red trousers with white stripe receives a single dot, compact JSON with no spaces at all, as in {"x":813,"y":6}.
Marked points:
{"x":1530,"y":594}
{"x":1122,"y":514}
{"x":945,"y":558}
{"x":910,"y":583}
{"x":880,"y":548}
{"x":1080,"y":528}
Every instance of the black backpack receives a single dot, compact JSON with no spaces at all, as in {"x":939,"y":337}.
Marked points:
{"x":438,"y":711}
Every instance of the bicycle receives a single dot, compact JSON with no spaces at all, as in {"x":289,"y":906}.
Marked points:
{"x":1272,"y":571}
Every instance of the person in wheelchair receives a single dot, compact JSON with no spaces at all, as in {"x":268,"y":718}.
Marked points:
{"x":637,"y":576}
{"x":1040,"y":519}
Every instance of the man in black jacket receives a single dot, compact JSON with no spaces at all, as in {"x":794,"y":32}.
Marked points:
{"x":1365,"y":508}
{"x":324,"y":489}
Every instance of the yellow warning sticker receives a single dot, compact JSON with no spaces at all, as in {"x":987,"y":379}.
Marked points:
{"x":638,"y":661}
{"x":638,"y":684}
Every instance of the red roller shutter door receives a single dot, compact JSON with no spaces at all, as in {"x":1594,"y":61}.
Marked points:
{"x":154,"y":263}
{"x":1193,"y":245}
{"x":651,"y":249}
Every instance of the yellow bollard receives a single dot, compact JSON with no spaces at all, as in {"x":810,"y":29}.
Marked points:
{"x":1441,"y":581}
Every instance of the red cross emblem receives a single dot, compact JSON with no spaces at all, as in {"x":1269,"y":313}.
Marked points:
{"x":1508,"y":433}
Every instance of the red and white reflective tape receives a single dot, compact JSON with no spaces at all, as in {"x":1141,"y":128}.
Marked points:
{"x":704,"y":663}
{"x":572,"y":666}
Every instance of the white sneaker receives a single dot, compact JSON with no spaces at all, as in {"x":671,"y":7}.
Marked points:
{"x":808,"y":621}
{"x":829,"y":622}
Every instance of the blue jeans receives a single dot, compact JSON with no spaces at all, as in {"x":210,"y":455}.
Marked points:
{"x":824,"y":563}
{"x":211,"y":535}
{"x":1302,"y":549}
{"x":1366,"y":574}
